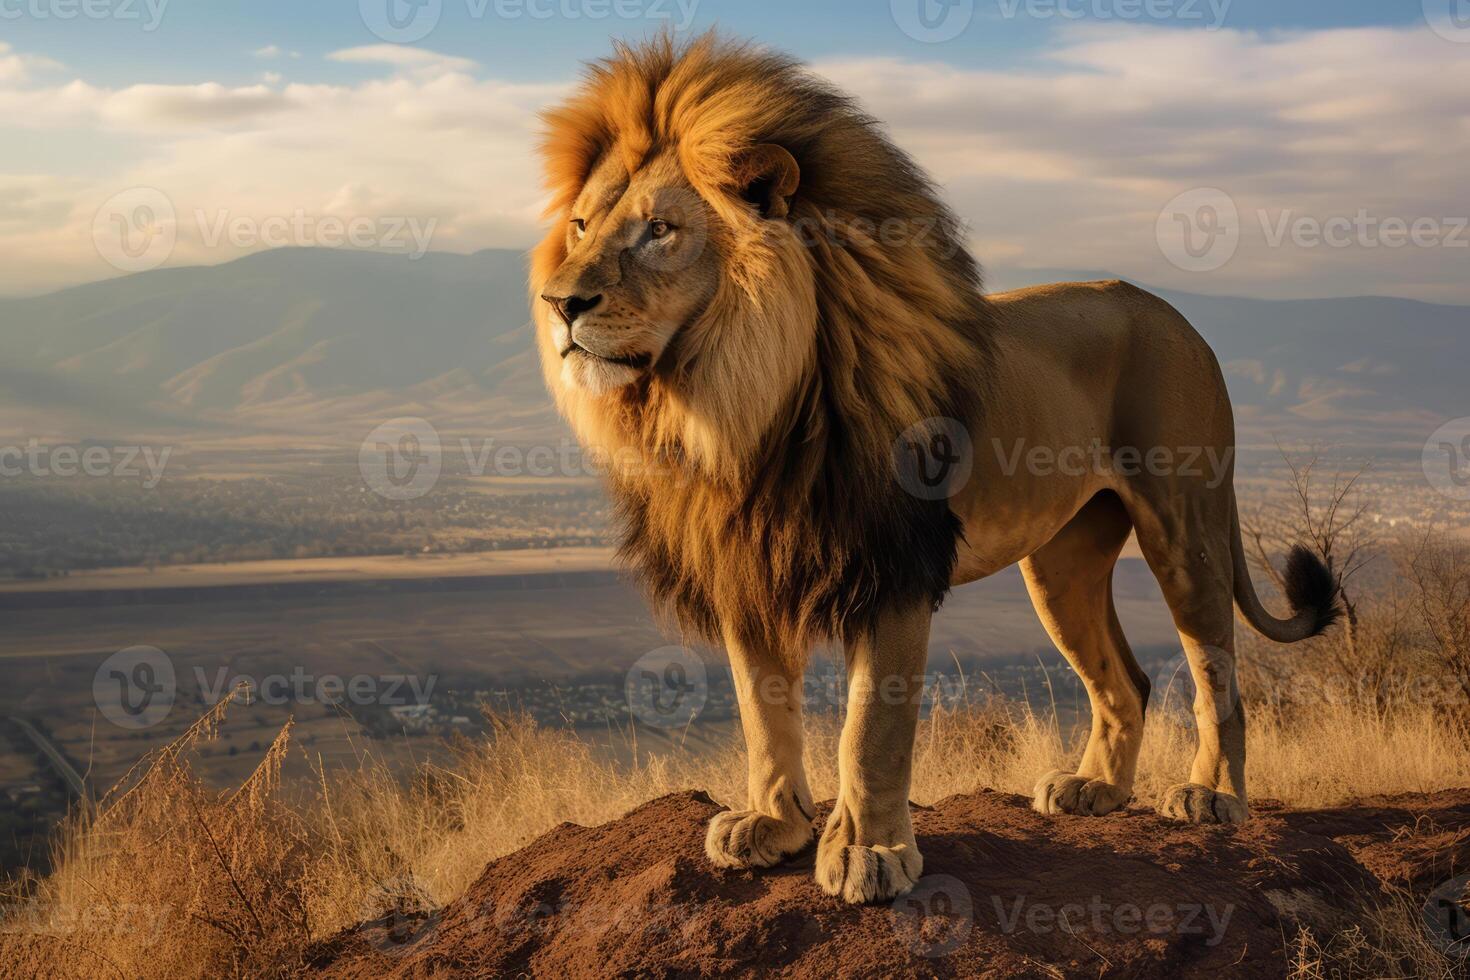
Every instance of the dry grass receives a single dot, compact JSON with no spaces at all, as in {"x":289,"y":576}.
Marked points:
{"x":1388,"y":941}
{"x":170,"y":878}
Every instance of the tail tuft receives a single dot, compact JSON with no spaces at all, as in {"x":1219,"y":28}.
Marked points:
{"x":1311,"y":587}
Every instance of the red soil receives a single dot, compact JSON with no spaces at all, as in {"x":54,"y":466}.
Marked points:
{"x":1008,"y":893}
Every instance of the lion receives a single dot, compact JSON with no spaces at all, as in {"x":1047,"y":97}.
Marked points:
{"x":758,"y":310}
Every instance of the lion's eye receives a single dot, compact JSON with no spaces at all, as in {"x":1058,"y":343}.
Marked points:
{"x":658,"y":228}
{"x":580,"y":225}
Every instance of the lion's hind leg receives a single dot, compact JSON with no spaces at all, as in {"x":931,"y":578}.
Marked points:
{"x":1071,"y":584}
{"x":1186,"y":535}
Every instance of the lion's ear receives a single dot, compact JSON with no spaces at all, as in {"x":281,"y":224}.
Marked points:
{"x":767,"y":176}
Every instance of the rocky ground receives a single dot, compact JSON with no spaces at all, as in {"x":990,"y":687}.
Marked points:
{"x":1007,"y":892}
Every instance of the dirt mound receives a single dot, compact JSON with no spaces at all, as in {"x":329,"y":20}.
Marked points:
{"x":1007,"y":892}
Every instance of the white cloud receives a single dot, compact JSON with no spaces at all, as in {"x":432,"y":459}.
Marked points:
{"x":403,"y":58}
{"x":17,"y":68}
{"x":1067,"y":165}
{"x":273,"y":51}
{"x":427,"y":145}
{"x":1064,"y":165}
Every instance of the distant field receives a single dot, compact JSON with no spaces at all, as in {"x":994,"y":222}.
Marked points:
{"x":492,"y":628}
{"x":384,"y":568}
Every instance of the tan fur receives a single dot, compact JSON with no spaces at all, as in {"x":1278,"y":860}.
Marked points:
{"x":752,"y":304}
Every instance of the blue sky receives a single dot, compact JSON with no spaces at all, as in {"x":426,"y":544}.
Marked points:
{"x":1067,"y":134}
{"x":195,"y":36}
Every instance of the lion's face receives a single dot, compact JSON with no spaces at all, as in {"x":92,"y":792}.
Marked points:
{"x":640,"y":265}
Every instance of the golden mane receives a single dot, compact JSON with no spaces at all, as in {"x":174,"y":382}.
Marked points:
{"x":764,"y":504}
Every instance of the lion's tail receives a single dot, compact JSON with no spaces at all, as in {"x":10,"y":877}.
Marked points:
{"x":1312,"y":590}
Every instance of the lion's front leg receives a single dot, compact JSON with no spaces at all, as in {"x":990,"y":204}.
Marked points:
{"x":867,"y":852}
{"x":779,"y":821}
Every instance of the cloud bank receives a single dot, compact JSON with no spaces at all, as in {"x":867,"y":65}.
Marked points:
{"x":1064,"y":165}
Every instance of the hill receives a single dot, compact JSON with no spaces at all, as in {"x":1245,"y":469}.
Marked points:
{"x":326,"y":341}
{"x":1007,"y":892}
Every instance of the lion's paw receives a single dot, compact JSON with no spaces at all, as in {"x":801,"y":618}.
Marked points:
{"x":862,"y":873}
{"x":1066,"y":792}
{"x":747,"y":839}
{"x":1194,"y":803}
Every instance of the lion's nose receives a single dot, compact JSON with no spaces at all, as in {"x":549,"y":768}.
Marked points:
{"x":571,"y":307}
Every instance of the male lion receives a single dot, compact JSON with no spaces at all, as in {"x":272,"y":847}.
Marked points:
{"x":757,"y":308}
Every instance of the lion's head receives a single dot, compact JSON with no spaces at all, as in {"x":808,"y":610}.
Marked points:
{"x":747,"y":282}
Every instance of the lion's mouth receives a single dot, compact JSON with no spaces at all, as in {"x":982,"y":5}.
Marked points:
{"x":635,"y":361}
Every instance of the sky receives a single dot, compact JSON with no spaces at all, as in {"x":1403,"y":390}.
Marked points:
{"x":1243,"y":147}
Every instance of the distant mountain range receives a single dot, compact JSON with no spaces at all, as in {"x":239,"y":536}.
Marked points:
{"x":325,"y":341}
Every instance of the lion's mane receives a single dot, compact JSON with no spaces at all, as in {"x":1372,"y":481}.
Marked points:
{"x":765,"y":508}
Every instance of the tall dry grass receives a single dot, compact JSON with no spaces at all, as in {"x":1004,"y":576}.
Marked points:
{"x":170,"y":878}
